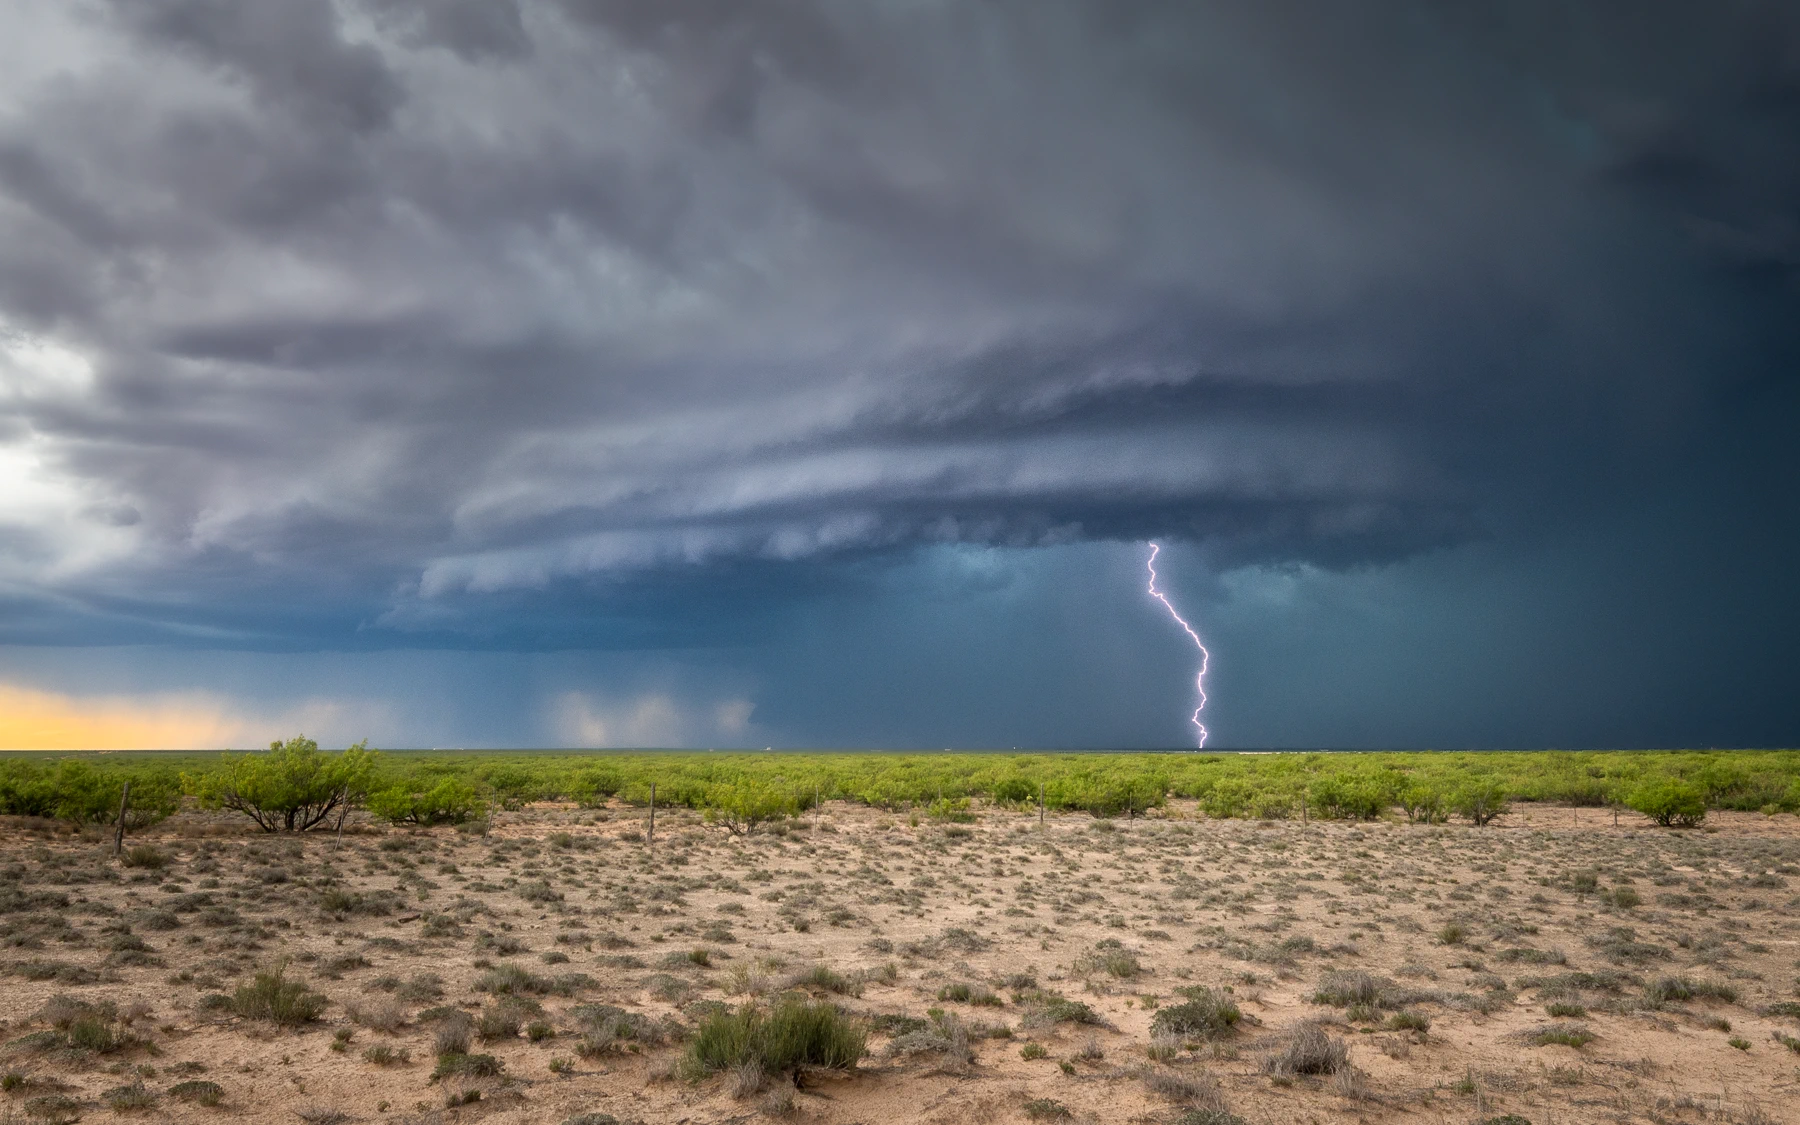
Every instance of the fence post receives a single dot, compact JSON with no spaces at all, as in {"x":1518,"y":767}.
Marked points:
{"x":651,"y":836}
{"x":119,"y":836}
{"x":1040,"y":806}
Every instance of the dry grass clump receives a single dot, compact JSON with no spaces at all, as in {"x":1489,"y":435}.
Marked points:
{"x":1046,"y":1109}
{"x":383,"y":1055}
{"x":382,"y":1015}
{"x":198,"y":1091}
{"x":1110,"y":956}
{"x":1307,"y":1049}
{"x":1197,"y":1090}
{"x":1356,"y":988}
{"x":147,"y":856}
{"x":84,"y":1027}
{"x":944,"y":1038}
{"x":605,"y":1028}
{"x":130,"y":1098}
{"x":506,"y":979}
{"x":1205,"y":1015}
{"x":453,"y":1032}
{"x":823,"y":978}
{"x":1047,"y":1008}
{"x":1677,"y":989}
{"x":503,"y":1018}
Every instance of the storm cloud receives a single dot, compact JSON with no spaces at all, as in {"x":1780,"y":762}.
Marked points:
{"x":497,"y":324}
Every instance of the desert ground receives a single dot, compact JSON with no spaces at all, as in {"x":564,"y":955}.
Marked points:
{"x":1550,"y":968}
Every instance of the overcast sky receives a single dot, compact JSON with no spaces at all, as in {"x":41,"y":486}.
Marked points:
{"x":666,"y":372}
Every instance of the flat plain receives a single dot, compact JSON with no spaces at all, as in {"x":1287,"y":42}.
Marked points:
{"x":1551,"y":967}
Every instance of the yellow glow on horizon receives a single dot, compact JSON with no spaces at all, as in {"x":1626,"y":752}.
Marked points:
{"x":41,"y":720}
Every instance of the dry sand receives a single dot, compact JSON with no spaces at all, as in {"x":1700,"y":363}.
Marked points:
{"x":1476,"y":930}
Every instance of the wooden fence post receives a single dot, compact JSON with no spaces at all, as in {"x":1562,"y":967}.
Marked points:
{"x":119,"y":836}
{"x":651,"y":836}
{"x":1040,"y":806}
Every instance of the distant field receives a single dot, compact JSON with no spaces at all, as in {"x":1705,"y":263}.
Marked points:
{"x":1677,"y":786}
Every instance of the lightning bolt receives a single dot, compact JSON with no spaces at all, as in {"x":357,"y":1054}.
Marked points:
{"x":1199,"y":680}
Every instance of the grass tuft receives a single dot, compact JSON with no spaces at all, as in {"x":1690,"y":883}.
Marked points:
{"x":274,"y":998}
{"x":796,"y":1032}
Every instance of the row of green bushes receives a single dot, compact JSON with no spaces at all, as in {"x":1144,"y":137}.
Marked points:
{"x":297,"y":786}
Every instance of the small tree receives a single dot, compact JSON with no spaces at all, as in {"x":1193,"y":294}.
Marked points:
{"x":739,"y":808}
{"x":1481,"y":800}
{"x":294,"y":787}
{"x":1670,"y":803}
{"x":1351,"y":797}
{"x":1423,"y":803}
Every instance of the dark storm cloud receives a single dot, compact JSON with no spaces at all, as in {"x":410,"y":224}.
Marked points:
{"x":394,"y":307}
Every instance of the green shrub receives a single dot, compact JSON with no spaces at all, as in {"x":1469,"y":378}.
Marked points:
{"x":1565,"y":1034}
{"x":950,"y":810}
{"x":450,"y":801}
{"x":1423,"y":804}
{"x":1351,"y":797}
{"x":78,"y":790}
{"x":1014,"y":791}
{"x":592,"y":788}
{"x":274,"y":998}
{"x":458,"y":1065}
{"x":795,"y":1032}
{"x":1670,"y":803}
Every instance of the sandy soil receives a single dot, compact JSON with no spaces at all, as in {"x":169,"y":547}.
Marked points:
{"x":1477,"y":931}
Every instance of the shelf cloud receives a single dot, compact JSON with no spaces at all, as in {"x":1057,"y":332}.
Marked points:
{"x":499,"y":323}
